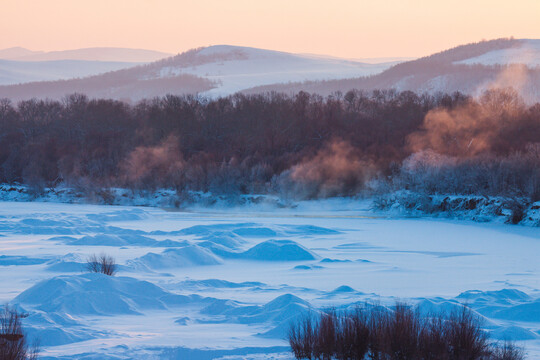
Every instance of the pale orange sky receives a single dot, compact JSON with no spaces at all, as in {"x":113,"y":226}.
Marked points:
{"x":345,"y":28}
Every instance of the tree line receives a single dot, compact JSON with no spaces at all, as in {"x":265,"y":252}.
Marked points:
{"x":301,"y":145}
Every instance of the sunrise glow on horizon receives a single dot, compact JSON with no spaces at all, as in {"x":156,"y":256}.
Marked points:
{"x":344,"y":28}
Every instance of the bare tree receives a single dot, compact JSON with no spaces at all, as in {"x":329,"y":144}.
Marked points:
{"x":101,"y":263}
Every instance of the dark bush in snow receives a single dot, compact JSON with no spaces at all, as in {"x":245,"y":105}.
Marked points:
{"x":13,"y":341}
{"x":400,"y":333}
{"x":102,"y":263}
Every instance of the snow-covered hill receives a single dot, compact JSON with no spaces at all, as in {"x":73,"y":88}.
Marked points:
{"x":19,"y":65}
{"x":470,"y":68}
{"x":236,"y":68}
{"x":223,"y":69}
{"x":526,"y":52}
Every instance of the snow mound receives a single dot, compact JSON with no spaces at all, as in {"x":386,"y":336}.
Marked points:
{"x":117,"y":240}
{"x":202,"y":230}
{"x":343,"y":289}
{"x":121,"y":215}
{"x":67,"y":263}
{"x":507,"y":304}
{"x":255,"y":232}
{"x":113,"y":240}
{"x":308,"y":230}
{"x":278,"y":250}
{"x":529,"y":312}
{"x":504,"y":296}
{"x":328,"y":260}
{"x":216,"y":283}
{"x":225,"y":240}
{"x":428,"y":307}
{"x":53,"y":329}
{"x":513,"y":333}
{"x":96,"y":294}
{"x":63,"y":239}
{"x":7,"y":260}
{"x":285,"y":309}
{"x":67,"y":225}
{"x":42,"y":227}
{"x":308,"y":267}
{"x":183,"y":321}
{"x":281,"y":309}
{"x":191,"y":255}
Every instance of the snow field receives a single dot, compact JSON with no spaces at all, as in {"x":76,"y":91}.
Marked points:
{"x":226,"y":283}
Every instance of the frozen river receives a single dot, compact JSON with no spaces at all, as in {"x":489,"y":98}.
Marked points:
{"x":226,"y":283}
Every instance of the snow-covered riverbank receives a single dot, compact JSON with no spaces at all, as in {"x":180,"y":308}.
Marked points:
{"x":225,"y":282}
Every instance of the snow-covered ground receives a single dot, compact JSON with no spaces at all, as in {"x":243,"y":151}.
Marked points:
{"x":247,"y":67}
{"x":224,"y":283}
{"x":527,"y":53}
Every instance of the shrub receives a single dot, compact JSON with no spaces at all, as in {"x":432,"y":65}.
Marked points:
{"x":507,"y":351}
{"x":465,"y":338}
{"x":13,"y":341}
{"x":301,"y":337}
{"x":102,"y":263}
{"x":352,"y":336}
{"x":377,"y":333}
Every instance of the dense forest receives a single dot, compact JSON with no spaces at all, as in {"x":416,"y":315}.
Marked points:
{"x":303,"y":146}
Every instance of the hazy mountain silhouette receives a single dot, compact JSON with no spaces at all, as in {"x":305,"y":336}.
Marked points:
{"x":223,"y":70}
{"x":17,"y":52}
{"x":89,"y":54}
{"x":469,"y":68}
{"x":17,"y":72}
{"x":215,"y":70}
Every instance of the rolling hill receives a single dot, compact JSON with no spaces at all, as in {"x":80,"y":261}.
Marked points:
{"x":470,"y":68}
{"x":17,"y":72}
{"x":214,"y":71}
{"x":223,"y":70}
{"x":19,"y":65}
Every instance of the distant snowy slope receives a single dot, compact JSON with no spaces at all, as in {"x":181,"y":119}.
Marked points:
{"x":223,"y":70}
{"x":16,"y":72}
{"x":237,"y":68}
{"x":470,"y":68}
{"x":90,"y":54}
{"x":19,"y":65}
{"x":213,"y":71}
{"x":526,"y":52}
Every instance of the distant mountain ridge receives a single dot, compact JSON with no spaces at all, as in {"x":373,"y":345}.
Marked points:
{"x":87,"y":54}
{"x":222,"y":70}
{"x":214,"y":71}
{"x":17,"y":72}
{"x":470,"y":68}
{"x":16,"y":52}
{"x":19,"y":65}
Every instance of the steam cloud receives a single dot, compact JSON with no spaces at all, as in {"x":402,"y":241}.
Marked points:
{"x":163,"y":161}
{"x":474,"y":128}
{"x":337,"y":169}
